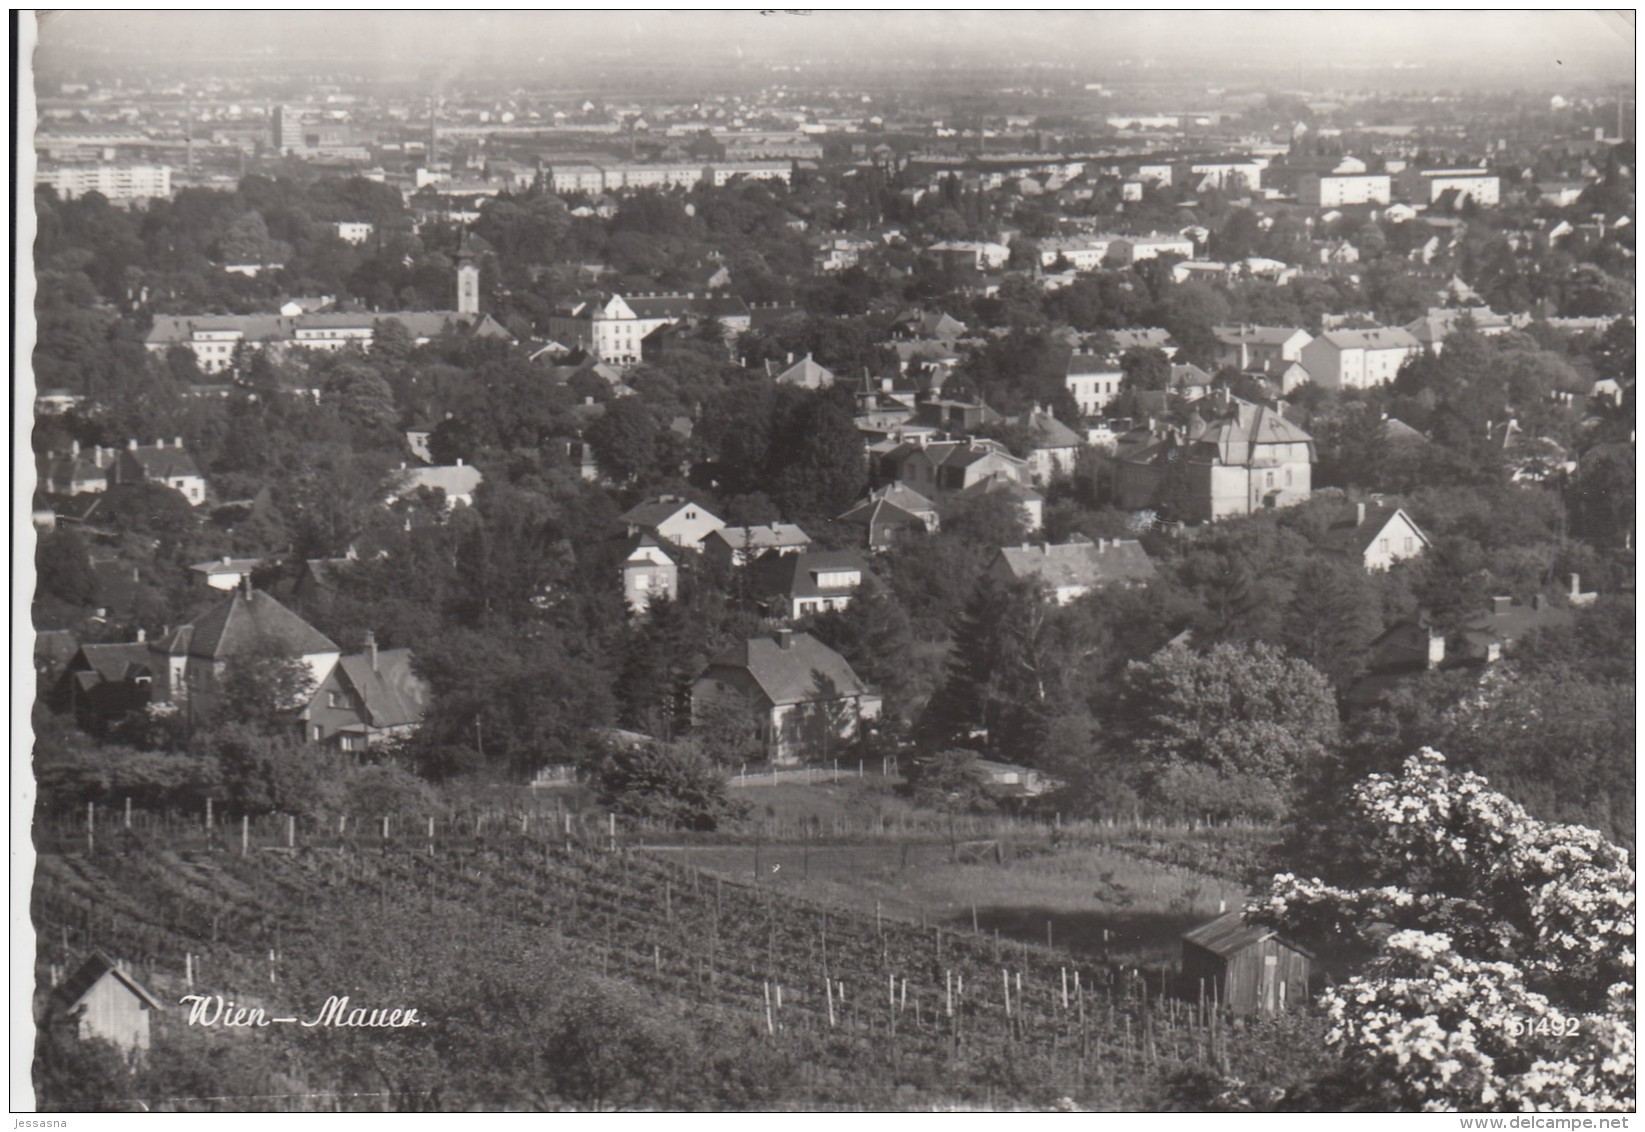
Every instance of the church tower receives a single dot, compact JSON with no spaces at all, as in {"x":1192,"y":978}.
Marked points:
{"x":468,"y":279}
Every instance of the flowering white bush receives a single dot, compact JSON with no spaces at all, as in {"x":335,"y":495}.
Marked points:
{"x":1504,"y":977}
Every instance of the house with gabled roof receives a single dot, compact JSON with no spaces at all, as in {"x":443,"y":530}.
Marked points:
{"x":103,"y":684}
{"x":805,"y":373}
{"x":168,"y":465}
{"x":738,"y":546}
{"x":1375,"y":536}
{"x":648,"y":570}
{"x":1054,"y":448}
{"x":1070,"y":570}
{"x":1245,"y":458}
{"x":673,"y":519}
{"x":76,"y":472}
{"x":249,"y":623}
{"x":891,"y":510}
{"x":944,"y":466}
{"x":806,"y":701}
{"x":813,"y":581}
{"x":613,"y":327}
{"x":1030,"y":504}
{"x":368,"y":699}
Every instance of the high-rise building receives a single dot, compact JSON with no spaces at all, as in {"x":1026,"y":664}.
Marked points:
{"x":287,"y":124}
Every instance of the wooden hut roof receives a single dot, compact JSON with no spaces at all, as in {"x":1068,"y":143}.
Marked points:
{"x":1229,"y":934}
{"x":75,"y":988}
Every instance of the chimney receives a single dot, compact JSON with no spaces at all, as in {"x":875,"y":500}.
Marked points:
{"x":140,"y":636}
{"x":131,"y":445}
{"x":1576,"y":585}
{"x":159,"y":442}
{"x":74,"y":448}
{"x":245,"y":586}
{"x":226,"y":560}
{"x":177,"y":442}
{"x":1537,"y":602}
{"x":97,"y":455}
{"x":785,"y":639}
{"x":371,"y":648}
{"x":1501,"y":604}
{"x":1045,"y":549}
{"x":1359,"y":514}
{"x":459,"y":461}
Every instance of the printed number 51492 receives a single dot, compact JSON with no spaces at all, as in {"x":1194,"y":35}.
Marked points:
{"x":1544,"y":1027}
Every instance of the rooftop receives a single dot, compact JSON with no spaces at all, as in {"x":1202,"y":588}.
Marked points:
{"x":803,"y":670}
{"x":1080,"y":563}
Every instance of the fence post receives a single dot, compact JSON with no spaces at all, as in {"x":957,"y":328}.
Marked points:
{"x":208,"y":818}
{"x":245,"y":834}
{"x":291,"y":831}
{"x":128,"y":813}
{"x":91,"y":827}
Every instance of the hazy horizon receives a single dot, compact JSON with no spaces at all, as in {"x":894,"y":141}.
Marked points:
{"x":1536,"y":48}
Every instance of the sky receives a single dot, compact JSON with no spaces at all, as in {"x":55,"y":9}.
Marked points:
{"x":1543,"y":46}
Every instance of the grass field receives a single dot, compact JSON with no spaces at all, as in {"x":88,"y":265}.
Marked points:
{"x":1081,"y":893}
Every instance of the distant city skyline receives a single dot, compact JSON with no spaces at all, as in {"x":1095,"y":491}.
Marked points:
{"x":1528,"y":48}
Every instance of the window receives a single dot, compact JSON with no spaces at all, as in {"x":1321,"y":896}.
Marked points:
{"x":1410,"y":544}
{"x":1382,"y":545}
{"x":354,"y":742}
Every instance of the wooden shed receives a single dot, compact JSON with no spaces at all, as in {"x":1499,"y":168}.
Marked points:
{"x":108,"y":1003}
{"x":1248,"y":968}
